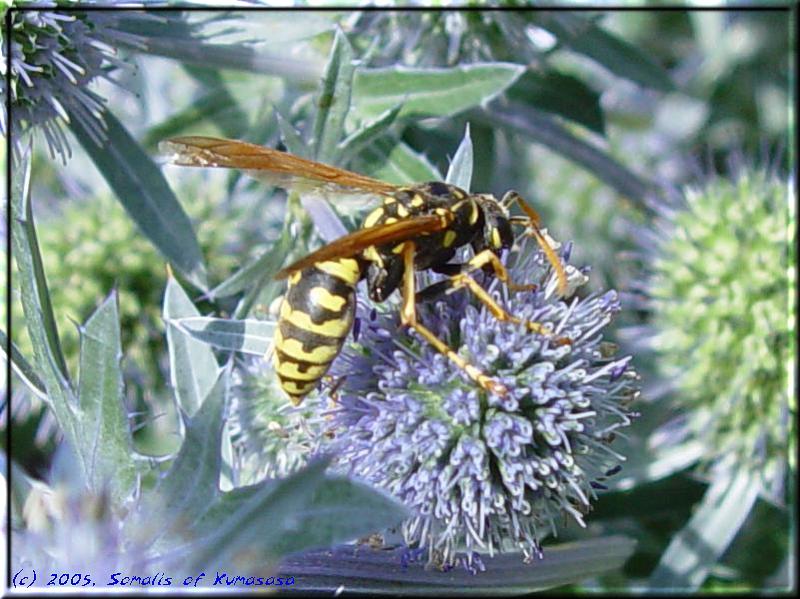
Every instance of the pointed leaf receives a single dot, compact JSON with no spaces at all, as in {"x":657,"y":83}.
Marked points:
{"x":392,"y":160}
{"x":460,"y":171}
{"x":191,"y":484}
{"x":338,"y":510}
{"x":291,"y":137}
{"x":361,"y":569}
{"x":430,"y":92}
{"x":144,"y":193}
{"x":333,"y":99}
{"x":369,"y":132}
{"x":48,"y":359}
{"x":265,"y":266}
{"x":23,"y":368}
{"x":698,"y":547}
{"x":215,"y":106}
{"x":342,"y":510}
{"x":541,"y":128}
{"x":614,"y":53}
{"x":193,"y":368}
{"x":258,"y":522}
{"x":26,"y":249}
{"x":105,"y":442}
{"x":327,"y":222}
{"x":560,"y":94}
{"x":249,"y":336}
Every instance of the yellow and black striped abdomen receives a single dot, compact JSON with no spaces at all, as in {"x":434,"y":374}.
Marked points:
{"x":315,"y":317}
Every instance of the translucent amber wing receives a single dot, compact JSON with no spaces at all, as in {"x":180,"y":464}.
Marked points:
{"x":271,"y":166}
{"x":355,"y":242}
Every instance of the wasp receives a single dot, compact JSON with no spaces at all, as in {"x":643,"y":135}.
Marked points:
{"x":415,"y":228}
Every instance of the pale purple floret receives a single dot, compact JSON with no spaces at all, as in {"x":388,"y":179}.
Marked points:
{"x":480,"y":472}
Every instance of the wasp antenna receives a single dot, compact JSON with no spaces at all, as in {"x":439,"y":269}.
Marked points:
{"x":535,"y":222}
{"x":554,"y":260}
{"x":509,"y":198}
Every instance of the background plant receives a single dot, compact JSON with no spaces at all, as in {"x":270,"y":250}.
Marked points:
{"x":591,"y":116}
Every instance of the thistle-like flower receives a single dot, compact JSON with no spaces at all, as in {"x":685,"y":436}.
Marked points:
{"x":270,"y":438}
{"x":64,"y":528}
{"x":722,"y":293}
{"x":481,"y":472}
{"x":55,"y":56}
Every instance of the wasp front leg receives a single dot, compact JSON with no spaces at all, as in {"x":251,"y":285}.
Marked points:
{"x":408,"y":317}
{"x":464,"y":280}
{"x":489,"y":258}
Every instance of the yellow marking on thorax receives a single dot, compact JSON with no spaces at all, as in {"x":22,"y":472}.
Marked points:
{"x":295,"y":277}
{"x":373,"y":255}
{"x":473,"y":215}
{"x":417,"y":201}
{"x":402,"y":211}
{"x":457,"y":194}
{"x":449,"y":238}
{"x":390,"y":220}
{"x":398,"y":249}
{"x":322,"y":354}
{"x":322,"y":297}
{"x":336,"y":327}
{"x":496,"y":241}
{"x":442,"y":211}
{"x":345,"y":269}
{"x":291,"y":370}
{"x":373,"y":217}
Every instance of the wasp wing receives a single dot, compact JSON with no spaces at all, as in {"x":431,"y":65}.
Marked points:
{"x":274,"y":167}
{"x":351,"y":244}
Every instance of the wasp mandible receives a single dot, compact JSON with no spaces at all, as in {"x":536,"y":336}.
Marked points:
{"x":416,"y":228}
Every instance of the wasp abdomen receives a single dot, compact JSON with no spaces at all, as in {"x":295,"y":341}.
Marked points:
{"x":315,"y":317}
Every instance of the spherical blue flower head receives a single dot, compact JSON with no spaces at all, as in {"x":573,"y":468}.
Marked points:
{"x":54,"y":57}
{"x":483,"y":472}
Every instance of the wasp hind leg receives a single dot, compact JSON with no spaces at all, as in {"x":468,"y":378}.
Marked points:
{"x":408,"y":316}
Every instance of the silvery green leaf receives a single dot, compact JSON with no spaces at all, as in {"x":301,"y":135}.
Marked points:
{"x":338,"y":510}
{"x":326,"y":221}
{"x":249,"y":336}
{"x":238,"y":57}
{"x":23,"y":369}
{"x":291,"y":137}
{"x":36,"y":304}
{"x":391,"y":160}
{"x":460,"y":171}
{"x":193,"y":368}
{"x":430,"y":92}
{"x":258,"y":520}
{"x":333,"y":99}
{"x":144,"y":193}
{"x":263,"y":267}
{"x":560,"y":94}
{"x":105,"y":442}
{"x":367,"y":133}
{"x":342,"y":510}
{"x":191,"y":484}
{"x":217,"y":105}
{"x":541,"y":128}
{"x":699,"y":545}
{"x":49,"y":362}
{"x":614,"y":53}
{"x":382,"y":571}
